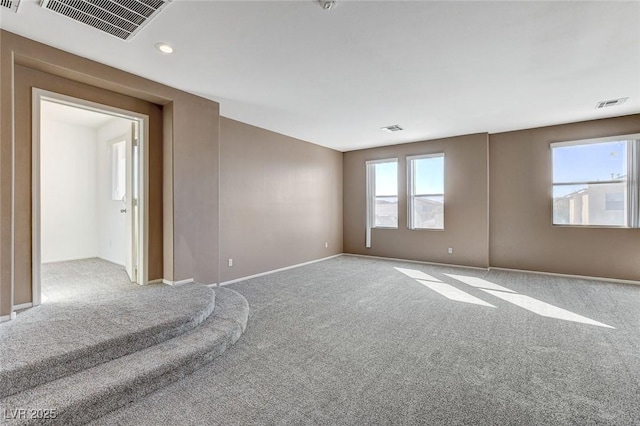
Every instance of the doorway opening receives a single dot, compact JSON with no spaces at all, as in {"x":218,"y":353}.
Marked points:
{"x":89,"y":196}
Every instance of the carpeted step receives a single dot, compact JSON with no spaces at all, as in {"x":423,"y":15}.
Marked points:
{"x":83,"y":335}
{"x":89,"y":394}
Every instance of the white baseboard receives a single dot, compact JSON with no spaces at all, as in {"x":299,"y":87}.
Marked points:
{"x":179,"y":282}
{"x":169,"y":282}
{"x":261,"y":274}
{"x":524,"y":271}
{"x":6,"y":318}
{"x":395,"y":259}
{"x":581,"y":277}
{"x":22,"y":306}
{"x":112,"y":261}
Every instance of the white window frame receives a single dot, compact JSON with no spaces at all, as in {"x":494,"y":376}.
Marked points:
{"x":632,"y":180}
{"x":371,"y":196}
{"x":411,"y":189}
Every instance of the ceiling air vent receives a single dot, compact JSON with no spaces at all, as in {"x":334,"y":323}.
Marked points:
{"x":393,"y":128}
{"x":10,"y":4}
{"x":611,"y":102}
{"x":120,"y":18}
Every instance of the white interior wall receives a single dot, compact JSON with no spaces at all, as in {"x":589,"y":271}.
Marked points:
{"x":69,"y":228}
{"x":112,"y":227}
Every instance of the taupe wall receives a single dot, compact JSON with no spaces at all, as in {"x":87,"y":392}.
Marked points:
{"x":191,"y":139}
{"x":280,"y":200}
{"x":466,"y":204}
{"x":6,"y":171}
{"x":196,"y":191}
{"x":522,"y":236}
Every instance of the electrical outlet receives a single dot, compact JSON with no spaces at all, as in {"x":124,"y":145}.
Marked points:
{"x":230,"y":262}
{"x":326,"y":245}
{"x":450,"y":251}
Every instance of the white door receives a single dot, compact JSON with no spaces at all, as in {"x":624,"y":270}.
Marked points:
{"x":131,"y":203}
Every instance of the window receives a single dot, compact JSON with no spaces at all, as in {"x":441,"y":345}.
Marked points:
{"x":595,"y":183}
{"x":382,"y":195}
{"x":425,"y":178}
{"x":118,"y":170}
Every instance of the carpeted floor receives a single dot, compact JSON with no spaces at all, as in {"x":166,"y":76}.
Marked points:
{"x":65,"y":281}
{"x":354,"y":341}
{"x":92,"y":313}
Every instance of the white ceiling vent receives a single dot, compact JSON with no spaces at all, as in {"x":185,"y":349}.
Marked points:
{"x":392,"y":128}
{"x":10,"y":4}
{"x":611,"y":102}
{"x":120,"y":18}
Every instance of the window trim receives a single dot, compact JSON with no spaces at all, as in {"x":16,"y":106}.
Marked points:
{"x":411,"y":189}
{"x":632,"y":180}
{"x":371,"y":196}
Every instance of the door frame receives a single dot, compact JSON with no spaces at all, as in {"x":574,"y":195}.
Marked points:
{"x":39,"y":95}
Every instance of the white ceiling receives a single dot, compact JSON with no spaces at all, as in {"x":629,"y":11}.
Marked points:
{"x":335,"y":77}
{"x":71,"y":115}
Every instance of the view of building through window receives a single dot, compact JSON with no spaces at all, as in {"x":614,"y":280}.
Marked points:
{"x":591,"y":183}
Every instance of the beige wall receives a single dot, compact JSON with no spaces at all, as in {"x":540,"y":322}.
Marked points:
{"x":6,"y":171}
{"x":465,"y":212}
{"x":522,"y":234}
{"x":280,"y":200}
{"x":192,"y":141}
{"x":195,"y":191}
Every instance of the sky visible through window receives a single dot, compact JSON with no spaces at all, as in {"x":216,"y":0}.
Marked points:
{"x":590,"y":162}
{"x":387,"y":178}
{"x":429,"y":177}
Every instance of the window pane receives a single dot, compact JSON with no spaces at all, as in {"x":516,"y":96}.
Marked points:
{"x":614,"y":201}
{"x":429,"y":175}
{"x":428,"y":212}
{"x":386,"y":178}
{"x":386,"y":212}
{"x":590,"y":162}
{"x":596,"y":204}
{"x":118,"y":170}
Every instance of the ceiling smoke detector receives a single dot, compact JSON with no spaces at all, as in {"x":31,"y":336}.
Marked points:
{"x":392,"y":128}
{"x":10,"y":4}
{"x":120,"y":18}
{"x":611,"y":102}
{"x":327,"y":5}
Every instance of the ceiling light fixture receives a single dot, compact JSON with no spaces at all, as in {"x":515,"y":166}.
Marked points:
{"x":164,"y":48}
{"x":392,"y":128}
{"x":326,"y":5}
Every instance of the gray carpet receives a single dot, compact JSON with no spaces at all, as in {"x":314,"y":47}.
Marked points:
{"x":352,"y":341}
{"x":91,"y":393}
{"x":92,"y":313}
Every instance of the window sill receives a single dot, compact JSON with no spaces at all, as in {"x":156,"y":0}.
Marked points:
{"x":592,"y":226}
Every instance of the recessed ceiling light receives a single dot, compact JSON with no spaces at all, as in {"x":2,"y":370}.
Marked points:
{"x":327,"y":5}
{"x":164,"y":48}
{"x":392,"y":128}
